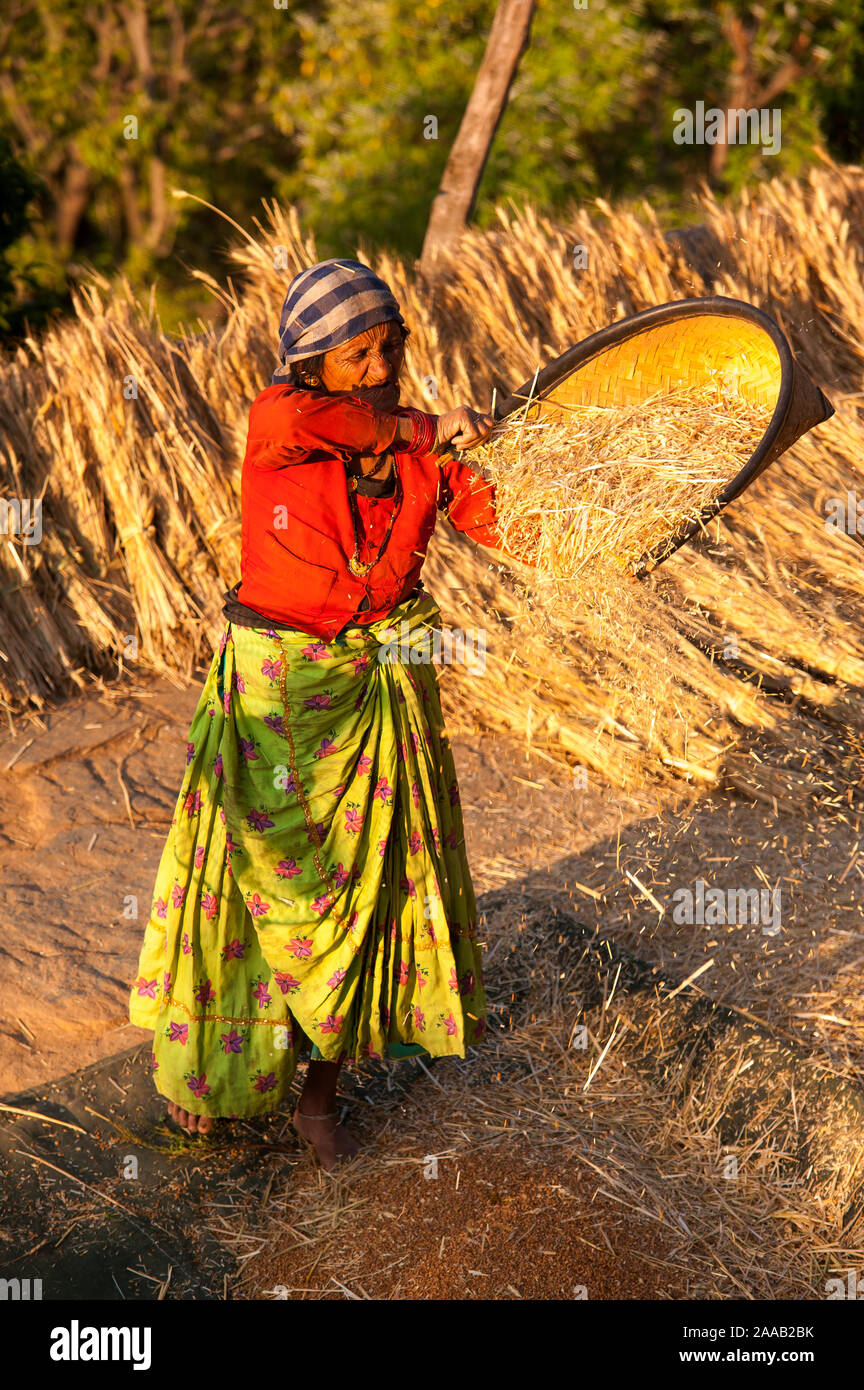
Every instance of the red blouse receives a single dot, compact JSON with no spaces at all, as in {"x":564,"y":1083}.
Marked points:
{"x":297,"y":529}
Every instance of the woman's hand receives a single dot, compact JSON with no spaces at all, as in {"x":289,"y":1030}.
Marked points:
{"x":463,"y":428}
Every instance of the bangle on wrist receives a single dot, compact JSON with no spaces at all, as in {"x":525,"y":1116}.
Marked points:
{"x":424,"y":431}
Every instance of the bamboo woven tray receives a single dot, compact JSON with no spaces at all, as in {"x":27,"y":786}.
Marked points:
{"x":719,"y":341}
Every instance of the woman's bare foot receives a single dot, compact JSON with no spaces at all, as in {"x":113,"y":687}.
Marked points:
{"x":332,"y":1142}
{"x":193,"y":1124}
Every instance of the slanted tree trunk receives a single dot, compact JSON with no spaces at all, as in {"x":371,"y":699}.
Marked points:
{"x":454,"y":201}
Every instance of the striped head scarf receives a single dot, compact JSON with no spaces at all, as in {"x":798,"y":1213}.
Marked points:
{"x":327,"y":305}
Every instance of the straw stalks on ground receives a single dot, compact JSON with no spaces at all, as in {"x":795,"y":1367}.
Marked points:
{"x":645,"y":1106}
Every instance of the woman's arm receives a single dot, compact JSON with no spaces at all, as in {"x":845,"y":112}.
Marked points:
{"x":468,"y":501}
{"x":289,"y":425}
{"x":466,"y":497}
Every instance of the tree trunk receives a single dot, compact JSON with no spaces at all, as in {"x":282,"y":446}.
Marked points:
{"x":72,"y":203}
{"x":744,"y":90}
{"x":740,"y":38}
{"x":454,"y":201}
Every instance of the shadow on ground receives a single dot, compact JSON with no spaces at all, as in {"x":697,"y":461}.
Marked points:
{"x":105,"y":1199}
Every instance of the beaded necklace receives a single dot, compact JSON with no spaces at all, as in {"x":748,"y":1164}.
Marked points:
{"x":355,"y":565}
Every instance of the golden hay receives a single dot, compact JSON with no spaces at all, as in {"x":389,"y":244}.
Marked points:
{"x":141,"y":496}
{"x":583,"y":484}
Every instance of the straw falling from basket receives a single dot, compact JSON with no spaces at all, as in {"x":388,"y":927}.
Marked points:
{"x":587,"y":485}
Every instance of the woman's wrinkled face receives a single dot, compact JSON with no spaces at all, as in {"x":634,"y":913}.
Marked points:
{"x":368,"y":365}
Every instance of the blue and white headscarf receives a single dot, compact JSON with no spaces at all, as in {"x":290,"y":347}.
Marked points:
{"x":329,"y":304}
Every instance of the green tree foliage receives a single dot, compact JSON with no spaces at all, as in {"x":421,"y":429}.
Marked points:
{"x":370,"y":78}
{"x":23,"y":293}
{"x":591,"y":109}
{"x":333,"y":105}
{"x":116,"y":104}
{"x":804,"y":59}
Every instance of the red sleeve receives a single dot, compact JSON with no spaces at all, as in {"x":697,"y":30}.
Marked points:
{"x":288,"y":424}
{"x":468,"y":501}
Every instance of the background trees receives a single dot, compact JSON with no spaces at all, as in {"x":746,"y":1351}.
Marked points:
{"x":349,"y":110}
{"x":113,"y":104}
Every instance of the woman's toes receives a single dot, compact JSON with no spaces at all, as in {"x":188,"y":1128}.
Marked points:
{"x":192,"y":1124}
{"x":346,"y":1145}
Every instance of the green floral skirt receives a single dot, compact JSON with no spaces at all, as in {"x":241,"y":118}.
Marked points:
{"x":314,"y":888}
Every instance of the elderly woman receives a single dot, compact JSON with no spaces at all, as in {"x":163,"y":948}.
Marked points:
{"x":314,"y":890}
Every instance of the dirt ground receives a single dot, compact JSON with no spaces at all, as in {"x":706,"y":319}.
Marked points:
{"x":104,"y":1199}
{"x":491,"y":1225}
{"x":87,"y":793}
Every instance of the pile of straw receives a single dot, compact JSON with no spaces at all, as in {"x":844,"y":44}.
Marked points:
{"x":651,"y":1108}
{"x":583,"y":486}
{"x":104,"y":423}
{"x":141,"y":495}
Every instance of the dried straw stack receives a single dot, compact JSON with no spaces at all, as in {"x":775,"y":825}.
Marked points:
{"x":105,"y":422}
{"x":141,"y":496}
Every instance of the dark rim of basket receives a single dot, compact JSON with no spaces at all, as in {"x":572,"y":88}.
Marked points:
{"x":716,"y":305}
